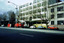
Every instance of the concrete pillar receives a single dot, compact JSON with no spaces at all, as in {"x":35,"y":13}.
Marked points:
{"x":47,"y":9}
{"x":55,"y":17}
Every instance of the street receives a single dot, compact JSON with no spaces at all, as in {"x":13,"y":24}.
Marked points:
{"x":10,"y":35}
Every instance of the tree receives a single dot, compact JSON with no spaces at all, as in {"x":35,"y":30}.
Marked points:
{"x":11,"y":17}
{"x":4,"y":16}
{"x":4,"y":19}
{"x":0,"y":17}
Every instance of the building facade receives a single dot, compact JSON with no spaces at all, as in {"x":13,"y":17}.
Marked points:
{"x":56,"y":13}
{"x":34,"y":11}
{"x":53,"y":10}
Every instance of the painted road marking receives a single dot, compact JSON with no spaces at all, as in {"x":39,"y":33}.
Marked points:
{"x":27,"y":35}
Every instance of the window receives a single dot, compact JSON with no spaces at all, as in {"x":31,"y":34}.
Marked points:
{"x":26,"y":13}
{"x":34,"y":6}
{"x":34,"y":11}
{"x":23,"y":14}
{"x":24,"y":9}
{"x":27,"y":8}
{"x":42,"y":3}
{"x":30,"y":8}
{"x":30,"y":18}
{"x":34,"y":16}
{"x":39,"y":10}
{"x":20,"y":6}
{"x":54,"y":1}
{"x":60,"y":8}
{"x":51,"y":2}
{"x":30,"y":12}
{"x":34,"y":1}
{"x":27,"y":4}
{"x":43,"y":9}
{"x":23,"y":5}
{"x":52,"y":10}
{"x":39,"y":16}
{"x":30,"y":3}
{"x":20,"y":14}
{"x":59,"y":0}
{"x":52,"y":22}
{"x":26,"y":18}
{"x":44,"y":15}
{"x":21,"y":18}
{"x":52,"y":16}
{"x":61,"y":15}
{"x":38,"y":0}
{"x":39,"y":4}
{"x":60,"y":22}
{"x":20,"y":10}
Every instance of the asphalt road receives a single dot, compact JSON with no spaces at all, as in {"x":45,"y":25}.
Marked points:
{"x":26,"y":36}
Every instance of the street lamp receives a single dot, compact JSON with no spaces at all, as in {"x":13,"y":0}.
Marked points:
{"x":16,"y":10}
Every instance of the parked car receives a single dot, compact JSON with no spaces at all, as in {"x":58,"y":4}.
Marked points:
{"x":26,"y":26}
{"x":32,"y":26}
{"x":44,"y":26}
{"x":52,"y":27}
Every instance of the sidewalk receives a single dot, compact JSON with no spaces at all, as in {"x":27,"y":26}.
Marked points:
{"x":29,"y":28}
{"x":35,"y":30}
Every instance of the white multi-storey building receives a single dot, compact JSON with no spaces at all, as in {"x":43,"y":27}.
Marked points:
{"x":53,"y":10}
{"x":36,"y":10}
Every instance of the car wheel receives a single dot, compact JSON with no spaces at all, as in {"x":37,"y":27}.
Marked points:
{"x":49,"y":28}
{"x":57,"y":28}
{"x":34,"y":27}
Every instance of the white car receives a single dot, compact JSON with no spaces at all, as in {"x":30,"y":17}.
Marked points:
{"x":32,"y":26}
{"x":26,"y":26}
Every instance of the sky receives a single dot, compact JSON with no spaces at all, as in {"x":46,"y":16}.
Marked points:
{"x":5,"y":6}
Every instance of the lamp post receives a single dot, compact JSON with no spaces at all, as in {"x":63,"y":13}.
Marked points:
{"x":16,"y":10}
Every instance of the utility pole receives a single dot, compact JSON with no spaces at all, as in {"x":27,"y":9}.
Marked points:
{"x":16,"y":15}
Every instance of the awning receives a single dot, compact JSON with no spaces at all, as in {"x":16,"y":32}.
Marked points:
{"x":36,"y":19}
{"x":21,"y":21}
